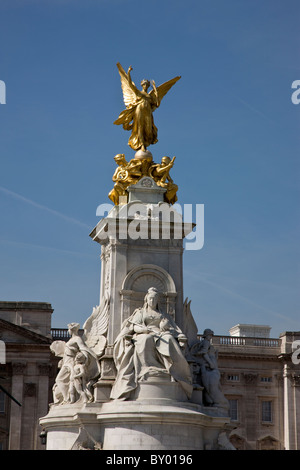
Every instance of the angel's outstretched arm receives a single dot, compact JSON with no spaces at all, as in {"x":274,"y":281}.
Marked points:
{"x":157,"y":100}
{"x":130,"y":91}
{"x":128,"y":74}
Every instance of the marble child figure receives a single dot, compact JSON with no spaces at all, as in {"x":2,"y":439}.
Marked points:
{"x":78,"y":380}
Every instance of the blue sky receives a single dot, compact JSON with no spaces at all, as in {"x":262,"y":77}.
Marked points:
{"x":230,"y":122}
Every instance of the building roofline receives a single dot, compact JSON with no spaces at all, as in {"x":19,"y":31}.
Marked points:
{"x":24,"y":305}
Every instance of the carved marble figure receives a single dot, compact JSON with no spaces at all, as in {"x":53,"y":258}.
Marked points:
{"x":78,"y":387}
{"x":205,"y":357}
{"x":148,"y":346}
{"x":79,"y":369}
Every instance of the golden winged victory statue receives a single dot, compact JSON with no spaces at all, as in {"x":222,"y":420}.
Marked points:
{"x":138,"y":118}
{"x":138,"y":115}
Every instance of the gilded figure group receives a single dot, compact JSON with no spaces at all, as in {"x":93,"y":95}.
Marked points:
{"x":138,"y":118}
{"x":128,"y":173}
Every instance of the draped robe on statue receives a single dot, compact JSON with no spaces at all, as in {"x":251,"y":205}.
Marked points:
{"x":140,"y":355}
{"x":75,"y":344}
{"x":139,"y":119}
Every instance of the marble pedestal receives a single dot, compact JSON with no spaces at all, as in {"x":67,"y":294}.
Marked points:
{"x":158,"y":425}
{"x":162,"y":422}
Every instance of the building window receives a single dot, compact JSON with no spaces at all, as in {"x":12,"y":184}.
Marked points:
{"x":233,"y":377}
{"x":266,"y":411}
{"x":233,"y":409}
{"x":266,"y":379}
{"x":2,"y":402}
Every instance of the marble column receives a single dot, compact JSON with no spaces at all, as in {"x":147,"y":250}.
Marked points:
{"x":18,"y":369}
{"x":42,"y":398}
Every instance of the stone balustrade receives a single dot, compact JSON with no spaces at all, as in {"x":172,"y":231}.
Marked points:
{"x":246,"y":341}
{"x":62,"y":334}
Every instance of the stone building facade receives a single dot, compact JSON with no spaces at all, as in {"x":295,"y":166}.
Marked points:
{"x":26,"y":371}
{"x":259,"y":377}
{"x":261,"y":380}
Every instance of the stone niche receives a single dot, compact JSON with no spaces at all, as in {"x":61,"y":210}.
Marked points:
{"x":137,"y":283}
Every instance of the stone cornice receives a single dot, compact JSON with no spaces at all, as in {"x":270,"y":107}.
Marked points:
{"x":248,"y":356}
{"x":9,"y":305}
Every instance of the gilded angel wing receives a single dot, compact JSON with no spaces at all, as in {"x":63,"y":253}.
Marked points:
{"x":95,"y":328}
{"x":130,"y":92}
{"x":163,"y":89}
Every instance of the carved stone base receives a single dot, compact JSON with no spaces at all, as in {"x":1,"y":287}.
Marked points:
{"x":64,"y":424}
{"x":158,"y":425}
{"x":102,"y":390}
{"x":146,"y":191}
{"x":143,"y":424}
{"x":197,"y":395}
{"x":159,"y":388}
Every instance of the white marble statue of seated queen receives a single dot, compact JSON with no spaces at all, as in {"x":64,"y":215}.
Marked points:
{"x":148,"y":346}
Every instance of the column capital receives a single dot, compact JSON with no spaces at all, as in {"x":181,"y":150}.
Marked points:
{"x":295,"y":379}
{"x":44,"y":368}
{"x":18,"y":368}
